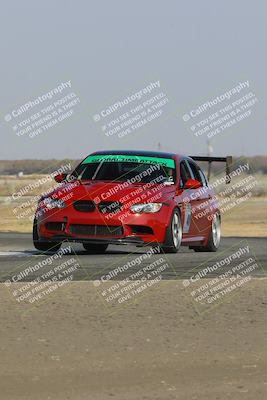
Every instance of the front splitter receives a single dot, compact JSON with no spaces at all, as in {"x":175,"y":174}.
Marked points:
{"x":136,"y":241}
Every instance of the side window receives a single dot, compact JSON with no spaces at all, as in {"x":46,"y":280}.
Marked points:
{"x":194,"y":171}
{"x":184,"y":173}
{"x":203,"y":178}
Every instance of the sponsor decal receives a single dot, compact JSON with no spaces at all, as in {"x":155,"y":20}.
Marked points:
{"x":165,"y":162}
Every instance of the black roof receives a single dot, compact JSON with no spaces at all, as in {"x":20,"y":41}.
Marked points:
{"x":137,"y":153}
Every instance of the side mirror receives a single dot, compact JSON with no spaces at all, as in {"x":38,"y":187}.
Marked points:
{"x":60,"y":177}
{"x":192,"y":184}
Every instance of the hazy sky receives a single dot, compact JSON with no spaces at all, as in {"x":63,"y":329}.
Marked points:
{"x":111,"y":49}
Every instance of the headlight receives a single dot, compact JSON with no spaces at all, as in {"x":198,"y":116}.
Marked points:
{"x":52,"y":203}
{"x":146,"y":208}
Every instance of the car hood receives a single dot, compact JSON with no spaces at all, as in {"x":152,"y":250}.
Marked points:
{"x":109,"y":191}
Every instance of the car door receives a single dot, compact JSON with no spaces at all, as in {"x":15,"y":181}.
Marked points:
{"x":200,"y":201}
{"x":183,"y":199}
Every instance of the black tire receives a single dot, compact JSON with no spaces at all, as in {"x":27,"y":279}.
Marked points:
{"x":172,"y":245}
{"x":95,"y":248}
{"x":43,"y":246}
{"x":212,"y":244}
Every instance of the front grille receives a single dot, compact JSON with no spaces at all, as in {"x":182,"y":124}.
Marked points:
{"x":84,"y":205}
{"x":106,"y":207}
{"x":55,"y":226}
{"x":96,"y":230}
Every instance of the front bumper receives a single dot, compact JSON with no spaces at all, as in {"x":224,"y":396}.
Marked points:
{"x":136,"y":229}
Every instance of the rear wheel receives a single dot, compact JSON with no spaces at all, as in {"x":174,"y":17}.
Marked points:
{"x":174,"y":234}
{"x":214,"y":238}
{"x":95,"y":248}
{"x":43,"y":246}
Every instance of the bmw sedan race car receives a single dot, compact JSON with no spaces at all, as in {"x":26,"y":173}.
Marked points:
{"x":131,"y":197}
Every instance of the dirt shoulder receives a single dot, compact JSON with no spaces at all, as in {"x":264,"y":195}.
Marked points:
{"x":71,"y":347}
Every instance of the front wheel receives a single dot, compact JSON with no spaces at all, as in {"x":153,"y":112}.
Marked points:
{"x":43,"y":246}
{"x":95,"y":248}
{"x":174,"y":234}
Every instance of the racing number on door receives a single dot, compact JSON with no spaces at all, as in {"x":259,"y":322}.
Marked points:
{"x":187,"y":218}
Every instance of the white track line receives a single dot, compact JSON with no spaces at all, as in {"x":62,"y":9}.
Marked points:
{"x":18,"y":254}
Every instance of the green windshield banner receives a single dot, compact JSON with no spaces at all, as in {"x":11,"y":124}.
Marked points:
{"x":165,"y":162}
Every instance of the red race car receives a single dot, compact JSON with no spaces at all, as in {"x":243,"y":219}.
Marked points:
{"x":131,"y":197}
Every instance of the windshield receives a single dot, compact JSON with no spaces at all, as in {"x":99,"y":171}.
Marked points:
{"x":135,"y":169}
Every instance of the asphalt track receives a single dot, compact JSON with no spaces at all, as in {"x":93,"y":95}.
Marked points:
{"x":17,"y":253}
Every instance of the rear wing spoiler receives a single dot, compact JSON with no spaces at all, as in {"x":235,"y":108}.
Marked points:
{"x":228,"y":160}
